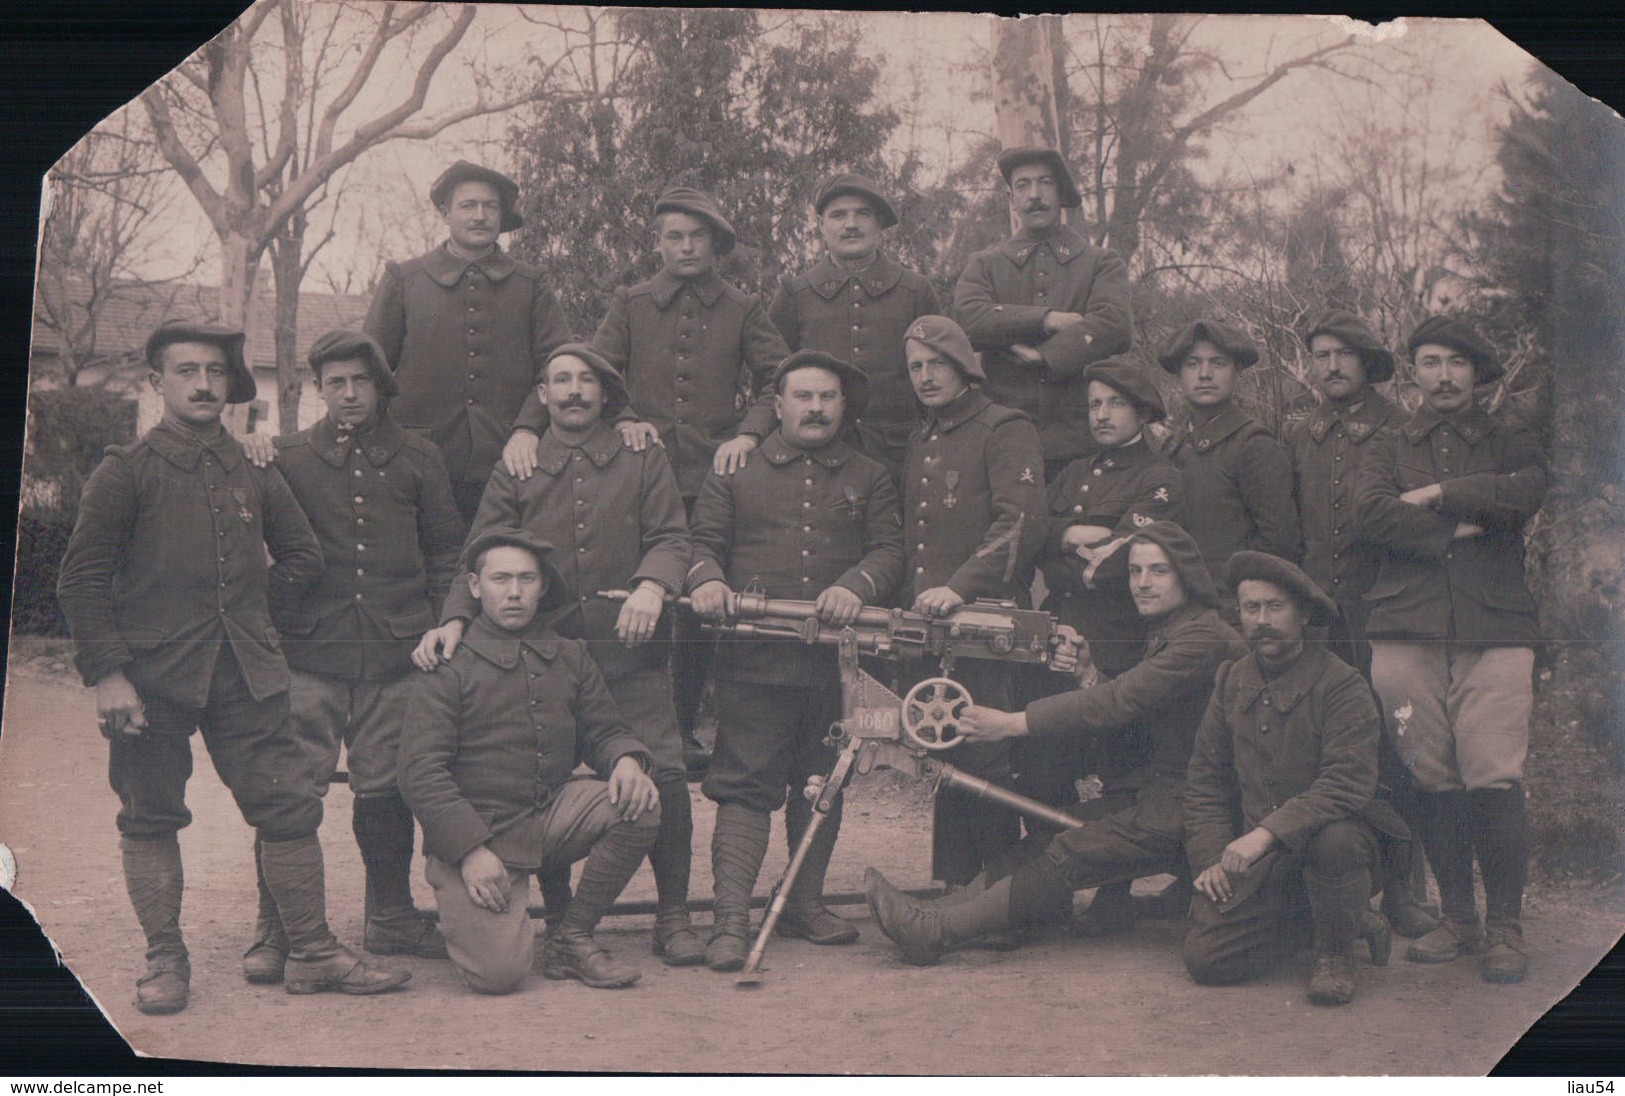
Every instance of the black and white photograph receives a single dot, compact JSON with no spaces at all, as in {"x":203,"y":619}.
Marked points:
{"x":724,"y":541}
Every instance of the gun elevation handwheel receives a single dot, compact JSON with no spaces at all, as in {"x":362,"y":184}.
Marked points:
{"x":931,"y":712}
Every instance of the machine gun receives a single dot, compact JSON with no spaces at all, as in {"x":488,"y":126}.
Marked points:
{"x":879,"y":729}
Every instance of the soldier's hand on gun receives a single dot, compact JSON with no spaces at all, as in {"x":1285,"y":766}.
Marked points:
{"x":732,"y":454}
{"x":519,"y":455}
{"x":1215,"y":883}
{"x":713,"y":600}
{"x":438,"y":645}
{"x":118,"y":707}
{"x":260,"y":449}
{"x":639,"y":615}
{"x":637,"y":436}
{"x":838,"y":605}
{"x":938,"y":601}
{"x":1069,"y":654}
{"x":979,"y":724}
{"x":486,"y":878}
{"x":631,"y":790}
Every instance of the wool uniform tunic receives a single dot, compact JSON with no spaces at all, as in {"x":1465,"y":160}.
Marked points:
{"x":1002,"y":298}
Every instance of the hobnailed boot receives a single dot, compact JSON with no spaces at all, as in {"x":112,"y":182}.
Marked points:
{"x":670,"y":858}
{"x":1339,"y":908}
{"x":383,"y":830}
{"x":1110,"y":912}
{"x":805,"y":916}
{"x":738,"y":846}
{"x":553,"y":881}
{"x":925,"y":931}
{"x":1378,"y":937}
{"x":268,"y":954}
{"x":155,"y":882}
{"x":1501,"y":836}
{"x":571,"y":952}
{"x":316,"y":960}
{"x":1447,"y":837}
{"x":1331,"y":981}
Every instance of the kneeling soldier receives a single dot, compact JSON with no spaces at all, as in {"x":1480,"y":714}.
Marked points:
{"x":491,"y":739}
{"x":1279,"y":813}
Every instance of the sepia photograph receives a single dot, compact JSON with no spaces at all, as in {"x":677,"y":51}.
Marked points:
{"x":751,"y":541}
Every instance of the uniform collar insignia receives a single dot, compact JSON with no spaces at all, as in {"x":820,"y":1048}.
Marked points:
{"x":501,"y":647}
{"x":966,"y":406}
{"x":665,"y":286}
{"x":1288,"y":688}
{"x":601,"y":446}
{"x":828,"y":278}
{"x":448,"y":269}
{"x":183,"y":449}
{"x":779,"y":451}
{"x":1065,"y":244}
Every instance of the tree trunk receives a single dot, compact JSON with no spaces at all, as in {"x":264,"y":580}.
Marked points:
{"x":239,"y":265}
{"x":1025,"y":71}
{"x":287,"y":268}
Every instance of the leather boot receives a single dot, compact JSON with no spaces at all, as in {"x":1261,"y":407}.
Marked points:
{"x":1501,"y":837}
{"x":155,"y":881}
{"x":670,"y":858}
{"x":383,"y":832}
{"x":925,"y":931}
{"x":1339,"y":907}
{"x":805,"y":915}
{"x":1447,"y":837}
{"x":571,"y":952}
{"x":738,"y":846}
{"x":316,"y":960}
{"x":266,"y":956}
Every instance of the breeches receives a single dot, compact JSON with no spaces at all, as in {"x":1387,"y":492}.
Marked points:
{"x":770,"y":738}
{"x":644,"y":698}
{"x":366,"y":716}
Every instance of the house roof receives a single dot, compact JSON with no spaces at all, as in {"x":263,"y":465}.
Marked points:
{"x":135,"y":308}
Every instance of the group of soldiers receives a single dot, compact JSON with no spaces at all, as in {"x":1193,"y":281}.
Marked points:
{"x":439,"y":542}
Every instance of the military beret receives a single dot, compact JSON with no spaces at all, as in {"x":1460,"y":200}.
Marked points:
{"x":345,"y":344}
{"x":240,"y":387}
{"x":1231,"y":341}
{"x":1357,"y":335}
{"x":616,"y":397}
{"x":837,"y":186}
{"x":683,"y":199}
{"x":464,"y":172}
{"x":1447,"y":331}
{"x":1130,"y":382}
{"x":946,"y":337}
{"x":557,"y":594}
{"x":1184,"y":556}
{"x":854,"y":381}
{"x":1012,"y":158}
{"x":1264,"y":567}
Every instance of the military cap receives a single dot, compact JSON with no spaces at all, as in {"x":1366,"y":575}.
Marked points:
{"x":557,"y":594}
{"x":1357,"y":335}
{"x":345,"y":344}
{"x":616,"y":397}
{"x":838,"y":186}
{"x":1129,"y":381}
{"x":240,"y":387}
{"x":1447,"y":331}
{"x":946,"y":337}
{"x":683,"y":199}
{"x":1012,"y":158}
{"x":854,"y":381}
{"x":1184,"y":556}
{"x":464,"y":172}
{"x":1288,"y":576}
{"x":1231,"y":341}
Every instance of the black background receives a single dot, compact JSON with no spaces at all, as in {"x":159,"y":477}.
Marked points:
{"x":67,"y":65}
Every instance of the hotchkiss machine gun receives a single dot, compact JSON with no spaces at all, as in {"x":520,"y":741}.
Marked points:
{"x":879,"y":729}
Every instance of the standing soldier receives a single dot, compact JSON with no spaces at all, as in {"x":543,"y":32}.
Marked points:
{"x":855,"y":305}
{"x":1043,"y":306}
{"x":973,"y":517}
{"x":1238,"y":481}
{"x":693,"y":350}
{"x":812,"y":519}
{"x":1453,"y":630}
{"x":467,"y":328}
{"x":381,"y":505}
{"x":167,"y":592}
{"x":616,"y":520}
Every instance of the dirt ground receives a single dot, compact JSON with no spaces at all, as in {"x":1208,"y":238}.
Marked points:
{"x":1057,"y":1006}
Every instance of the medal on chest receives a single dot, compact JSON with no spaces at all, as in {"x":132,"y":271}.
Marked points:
{"x":239,"y":495}
{"x":950,"y":500}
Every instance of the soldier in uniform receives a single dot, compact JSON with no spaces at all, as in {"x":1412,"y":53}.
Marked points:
{"x":491,"y":741}
{"x":1452,"y":630}
{"x":855,"y":304}
{"x":467,"y":328}
{"x":1043,"y":306}
{"x":616,"y":519}
{"x":693,"y":350}
{"x":808,"y":518}
{"x":973,"y":518}
{"x":381,"y":505}
{"x":1136,"y":827}
{"x":1278,"y":801}
{"x":1238,"y":481}
{"x":167,"y":592}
